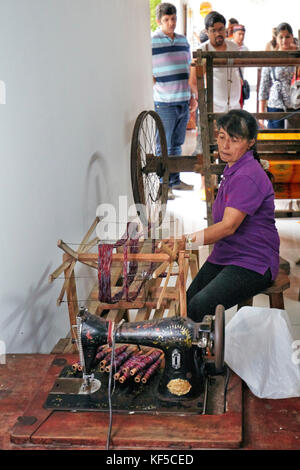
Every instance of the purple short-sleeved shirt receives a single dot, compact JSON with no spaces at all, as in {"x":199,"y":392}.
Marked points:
{"x":255,"y":244}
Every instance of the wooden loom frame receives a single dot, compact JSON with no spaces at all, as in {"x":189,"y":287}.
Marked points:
{"x":157,"y":295}
{"x":205,"y":62}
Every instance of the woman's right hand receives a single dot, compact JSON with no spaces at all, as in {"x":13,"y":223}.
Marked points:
{"x":262,"y":109}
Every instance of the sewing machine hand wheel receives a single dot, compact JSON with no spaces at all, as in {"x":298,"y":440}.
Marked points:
{"x":219,"y":338}
{"x":149,"y":168}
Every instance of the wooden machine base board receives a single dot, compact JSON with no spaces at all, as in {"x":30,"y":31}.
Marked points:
{"x":39,"y":426}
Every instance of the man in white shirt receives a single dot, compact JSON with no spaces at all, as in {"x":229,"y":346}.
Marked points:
{"x":226,"y":81}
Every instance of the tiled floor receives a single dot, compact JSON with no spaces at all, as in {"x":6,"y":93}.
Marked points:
{"x":191,"y":212}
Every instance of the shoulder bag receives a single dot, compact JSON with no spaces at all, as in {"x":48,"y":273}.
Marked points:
{"x":245,"y":87}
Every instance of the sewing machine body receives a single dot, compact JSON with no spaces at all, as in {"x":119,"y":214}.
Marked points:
{"x":176,"y":337}
{"x":180,"y":383}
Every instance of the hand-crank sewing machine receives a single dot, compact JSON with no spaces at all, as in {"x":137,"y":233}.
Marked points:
{"x":192,"y":352}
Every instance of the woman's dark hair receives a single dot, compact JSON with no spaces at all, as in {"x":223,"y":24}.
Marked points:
{"x":273,"y":40}
{"x":284,"y":27}
{"x":212,"y":18}
{"x":165,"y":9}
{"x":240,"y":123}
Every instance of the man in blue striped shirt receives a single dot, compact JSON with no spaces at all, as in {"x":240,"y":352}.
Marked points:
{"x":173,"y":100}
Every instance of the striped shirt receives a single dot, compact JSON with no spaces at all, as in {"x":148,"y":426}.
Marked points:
{"x":171,"y":60}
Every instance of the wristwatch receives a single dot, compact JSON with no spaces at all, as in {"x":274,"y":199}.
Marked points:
{"x":193,"y":95}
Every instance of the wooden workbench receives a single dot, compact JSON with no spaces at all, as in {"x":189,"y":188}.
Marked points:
{"x":266,"y":424}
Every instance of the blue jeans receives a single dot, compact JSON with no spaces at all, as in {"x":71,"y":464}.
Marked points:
{"x":175,"y":117}
{"x":274,"y":124}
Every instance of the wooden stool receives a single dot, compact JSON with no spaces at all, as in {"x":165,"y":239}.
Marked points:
{"x":275,"y":292}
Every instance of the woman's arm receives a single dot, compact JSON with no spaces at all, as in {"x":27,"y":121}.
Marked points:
{"x":262,"y":109}
{"x":194,"y":89}
{"x":231,"y":221}
{"x":264,"y":90}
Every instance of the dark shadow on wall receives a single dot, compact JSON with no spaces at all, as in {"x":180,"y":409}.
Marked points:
{"x":31,"y":320}
{"x":96,"y":188}
{"x":96,"y":191}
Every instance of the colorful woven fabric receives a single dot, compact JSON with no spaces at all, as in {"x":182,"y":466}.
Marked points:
{"x":130,"y":240}
{"x":285,"y":171}
{"x":287,"y":191}
{"x":104,"y":263}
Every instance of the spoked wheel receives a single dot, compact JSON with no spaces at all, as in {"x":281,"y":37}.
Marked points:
{"x":149,"y":168}
{"x":219,"y":337}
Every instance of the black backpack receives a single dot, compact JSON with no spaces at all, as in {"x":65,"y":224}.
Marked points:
{"x":245,"y":87}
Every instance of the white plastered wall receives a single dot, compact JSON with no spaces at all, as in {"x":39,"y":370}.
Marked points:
{"x":76,"y":73}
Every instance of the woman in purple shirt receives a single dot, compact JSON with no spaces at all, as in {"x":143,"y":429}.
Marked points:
{"x":245,"y":257}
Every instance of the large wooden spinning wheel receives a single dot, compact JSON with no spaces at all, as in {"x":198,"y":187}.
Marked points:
{"x":149,"y":168}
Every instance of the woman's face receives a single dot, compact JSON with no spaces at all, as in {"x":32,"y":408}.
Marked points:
{"x":231,"y":149}
{"x":284,"y":40}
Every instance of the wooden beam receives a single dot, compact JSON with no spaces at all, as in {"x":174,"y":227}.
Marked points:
{"x":248,"y":55}
{"x":277,"y":115}
{"x":182,"y":284}
{"x":143,"y":257}
{"x":71,"y":298}
{"x":204,"y":126}
{"x":249,"y":58}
